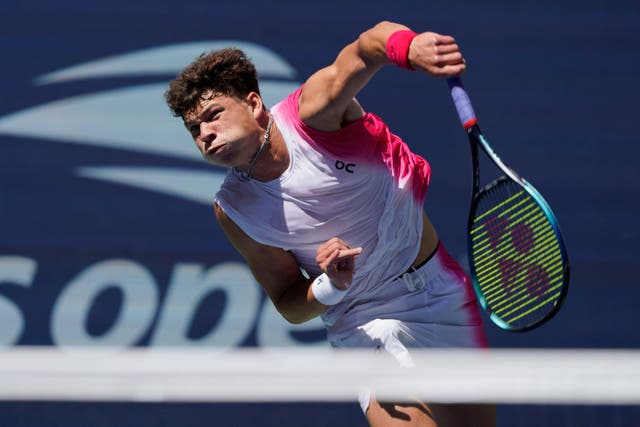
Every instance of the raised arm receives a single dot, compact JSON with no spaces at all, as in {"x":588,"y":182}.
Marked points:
{"x":328,"y":96}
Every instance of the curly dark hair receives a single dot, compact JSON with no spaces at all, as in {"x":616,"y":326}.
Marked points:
{"x":225,"y":71}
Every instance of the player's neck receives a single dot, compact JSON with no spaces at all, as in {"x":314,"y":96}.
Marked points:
{"x":274,"y":160}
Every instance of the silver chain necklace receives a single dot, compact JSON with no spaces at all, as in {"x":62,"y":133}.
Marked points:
{"x":247,"y":176}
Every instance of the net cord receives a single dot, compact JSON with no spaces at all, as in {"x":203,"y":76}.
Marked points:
{"x":603,"y":377}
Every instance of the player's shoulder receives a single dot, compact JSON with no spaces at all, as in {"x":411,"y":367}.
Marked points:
{"x":329,"y":120}
{"x":219,"y":212}
{"x":225,"y":221}
{"x":240,"y":239}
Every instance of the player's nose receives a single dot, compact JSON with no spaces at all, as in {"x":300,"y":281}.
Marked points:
{"x":207,"y":135}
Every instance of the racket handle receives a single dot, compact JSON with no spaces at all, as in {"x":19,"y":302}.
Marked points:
{"x":462,"y":102}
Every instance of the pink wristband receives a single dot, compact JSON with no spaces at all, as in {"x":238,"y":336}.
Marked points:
{"x":398,"y":48}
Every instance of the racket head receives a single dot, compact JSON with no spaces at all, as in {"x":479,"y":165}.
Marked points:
{"x":518,"y":259}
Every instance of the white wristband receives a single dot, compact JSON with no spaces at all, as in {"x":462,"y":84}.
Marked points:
{"x":325,"y":291}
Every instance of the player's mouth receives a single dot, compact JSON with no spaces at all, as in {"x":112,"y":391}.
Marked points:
{"x":215,"y":150}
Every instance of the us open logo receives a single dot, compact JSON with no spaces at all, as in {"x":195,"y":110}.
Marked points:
{"x":153,"y":308}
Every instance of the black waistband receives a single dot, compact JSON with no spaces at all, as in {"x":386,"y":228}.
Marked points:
{"x":423,"y":262}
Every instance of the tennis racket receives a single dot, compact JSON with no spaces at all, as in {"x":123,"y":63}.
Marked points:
{"x":518,"y":260}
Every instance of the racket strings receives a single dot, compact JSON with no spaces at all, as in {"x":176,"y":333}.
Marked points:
{"x":528,"y":219}
{"x":515,"y":254}
{"x":485,"y":256}
{"x":524,"y":283}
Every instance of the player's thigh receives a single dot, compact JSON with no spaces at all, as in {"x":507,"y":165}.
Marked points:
{"x":414,"y":413}
{"x":473,"y":415}
{"x":406,"y":414}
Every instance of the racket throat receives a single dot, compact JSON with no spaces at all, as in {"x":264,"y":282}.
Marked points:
{"x":473,"y":133}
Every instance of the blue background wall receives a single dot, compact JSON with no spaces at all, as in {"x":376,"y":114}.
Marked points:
{"x":106,"y":231}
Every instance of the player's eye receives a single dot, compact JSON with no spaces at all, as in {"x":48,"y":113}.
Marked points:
{"x":194,"y":130}
{"x":213,"y":115}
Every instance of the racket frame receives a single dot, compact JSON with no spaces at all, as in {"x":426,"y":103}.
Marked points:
{"x":469,"y":122}
{"x":476,"y":138}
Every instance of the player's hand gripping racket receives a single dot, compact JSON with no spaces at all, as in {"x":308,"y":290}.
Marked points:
{"x":517,"y":257}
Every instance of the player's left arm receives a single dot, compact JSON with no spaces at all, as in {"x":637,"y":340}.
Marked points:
{"x":328,"y":96}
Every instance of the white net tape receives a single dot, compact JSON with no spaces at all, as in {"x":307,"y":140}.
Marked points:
{"x":298,"y":374}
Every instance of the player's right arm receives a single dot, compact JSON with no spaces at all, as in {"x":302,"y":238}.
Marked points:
{"x":277,"y":271}
{"x":327,"y":100}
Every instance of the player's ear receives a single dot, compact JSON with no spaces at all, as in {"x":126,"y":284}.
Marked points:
{"x":254,"y":101}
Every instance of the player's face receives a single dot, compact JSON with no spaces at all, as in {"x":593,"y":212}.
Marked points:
{"x":225,"y":129}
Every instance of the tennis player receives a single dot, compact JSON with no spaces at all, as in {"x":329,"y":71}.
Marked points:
{"x":325,"y":203}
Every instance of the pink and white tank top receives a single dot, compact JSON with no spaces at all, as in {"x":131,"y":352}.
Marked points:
{"x":361,"y":183}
